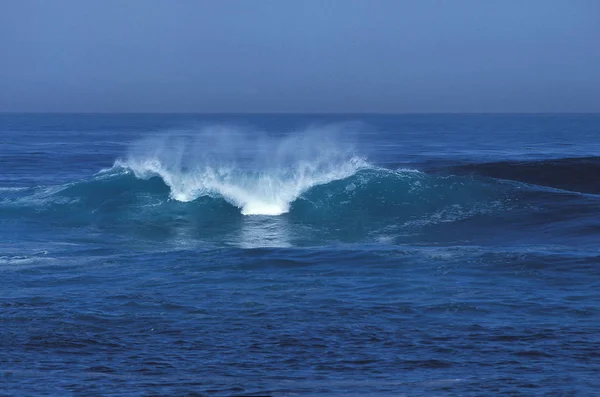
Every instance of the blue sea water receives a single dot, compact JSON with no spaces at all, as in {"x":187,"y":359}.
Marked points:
{"x":286,"y":255}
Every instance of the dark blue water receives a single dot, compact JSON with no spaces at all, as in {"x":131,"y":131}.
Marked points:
{"x":425,"y":255}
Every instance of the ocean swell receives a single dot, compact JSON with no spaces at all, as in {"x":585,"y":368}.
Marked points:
{"x":313,"y":185}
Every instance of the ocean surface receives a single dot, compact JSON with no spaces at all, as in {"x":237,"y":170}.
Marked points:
{"x":292,"y":255}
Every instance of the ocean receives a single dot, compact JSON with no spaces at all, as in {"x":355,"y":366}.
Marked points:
{"x":292,"y":255}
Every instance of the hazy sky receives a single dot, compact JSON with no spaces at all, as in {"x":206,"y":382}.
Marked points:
{"x":300,"y":56}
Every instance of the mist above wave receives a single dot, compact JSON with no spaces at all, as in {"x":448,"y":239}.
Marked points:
{"x":259,"y":173}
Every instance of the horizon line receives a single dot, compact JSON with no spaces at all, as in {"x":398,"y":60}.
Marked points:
{"x":296,"y":113}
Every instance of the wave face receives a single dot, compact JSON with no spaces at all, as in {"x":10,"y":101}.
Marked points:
{"x":261,"y":175}
{"x":574,"y":174}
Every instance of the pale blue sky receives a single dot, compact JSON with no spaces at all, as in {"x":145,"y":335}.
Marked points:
{"x":300,"y":56}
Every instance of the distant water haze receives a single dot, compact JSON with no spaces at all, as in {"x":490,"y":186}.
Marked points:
{"x":300,"y":56}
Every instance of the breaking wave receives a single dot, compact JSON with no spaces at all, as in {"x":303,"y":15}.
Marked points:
{"x":259,"y":174}
{"x":219,"y":180}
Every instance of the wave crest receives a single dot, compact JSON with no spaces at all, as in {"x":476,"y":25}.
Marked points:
{"x":261,"y":175}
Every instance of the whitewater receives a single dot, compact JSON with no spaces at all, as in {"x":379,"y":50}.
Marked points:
{"x":259,"y":175}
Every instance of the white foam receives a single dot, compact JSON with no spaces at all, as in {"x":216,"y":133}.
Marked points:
{"x":258,"y":174}
{"x":12,"y":189}
{"x":40,"y":196}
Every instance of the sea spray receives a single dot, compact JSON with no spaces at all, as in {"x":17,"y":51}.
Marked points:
{"x":260,"y":174}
